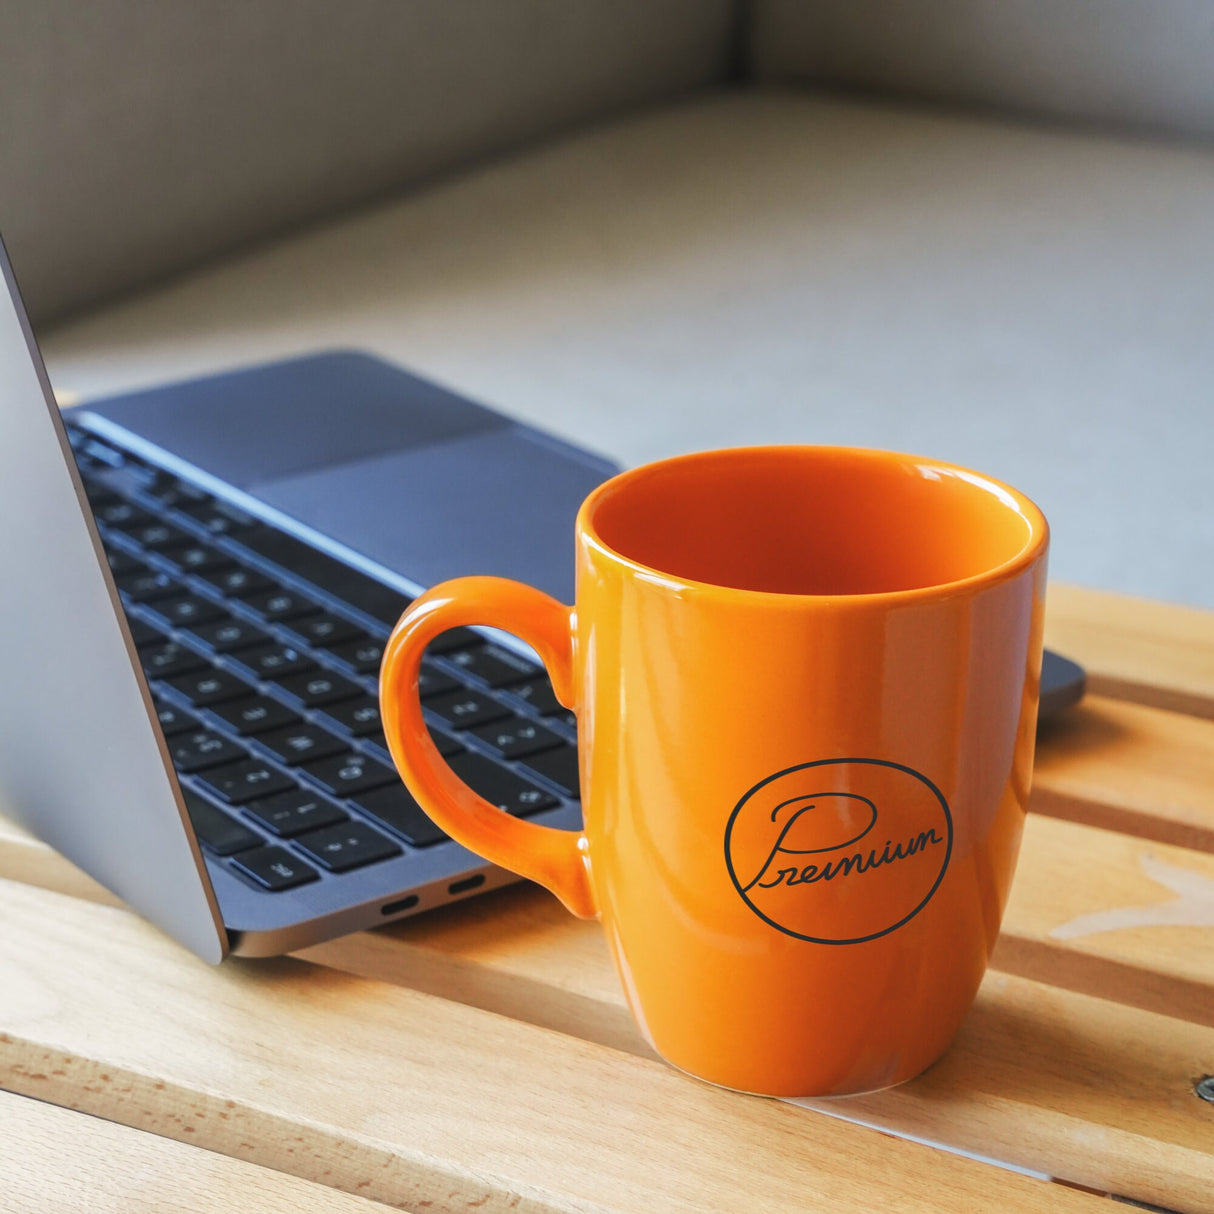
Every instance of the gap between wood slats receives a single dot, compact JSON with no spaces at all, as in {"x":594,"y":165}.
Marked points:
{"x":517,"y":954}
{"x":1153,"y":653}
{"x":55,"y":1159}
{"x":1128,"y":768}
{"x":410,"y":1099}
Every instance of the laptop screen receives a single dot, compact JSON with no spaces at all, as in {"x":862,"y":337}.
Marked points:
{"x":82,"y":763}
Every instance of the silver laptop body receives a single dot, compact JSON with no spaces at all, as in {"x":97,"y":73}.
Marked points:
{"x":83,"y":764}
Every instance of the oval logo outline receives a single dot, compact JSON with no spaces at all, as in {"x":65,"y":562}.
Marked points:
{"x":886,"y":763}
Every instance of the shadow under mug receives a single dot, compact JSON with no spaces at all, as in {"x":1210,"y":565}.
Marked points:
{"x":806,"y":685}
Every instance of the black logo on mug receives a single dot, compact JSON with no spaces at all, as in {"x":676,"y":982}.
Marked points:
{"x":839,"y":851}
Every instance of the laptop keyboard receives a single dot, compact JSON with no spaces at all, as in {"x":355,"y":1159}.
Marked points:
{"x":263,"y":654}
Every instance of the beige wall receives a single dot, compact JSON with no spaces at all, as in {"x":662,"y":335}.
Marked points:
{"x":140,"y":137}
{"x":1138,"y":63}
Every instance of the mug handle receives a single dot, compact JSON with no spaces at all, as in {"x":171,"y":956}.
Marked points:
{"x":557,"y":859}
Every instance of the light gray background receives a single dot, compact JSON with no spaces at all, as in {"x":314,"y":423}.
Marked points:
{"x":619,"y":227}
{"x":783,"y":268}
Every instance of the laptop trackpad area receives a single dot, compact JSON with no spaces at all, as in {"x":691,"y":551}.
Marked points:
{"x":498,"y":502}
{"x":262,"y":424}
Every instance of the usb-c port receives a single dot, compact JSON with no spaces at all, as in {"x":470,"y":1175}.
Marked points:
{"x":461,"y":887}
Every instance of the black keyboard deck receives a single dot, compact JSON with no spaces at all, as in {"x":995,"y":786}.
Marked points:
{"x":263,"y":655}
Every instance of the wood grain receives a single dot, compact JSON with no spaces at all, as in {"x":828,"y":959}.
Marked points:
{"x":1079,"y":1087}
{"x":1125,"y":767}
{"x":1112,"y":915}
{"x":417,"y":1101}
{"x":56,"y":1160}
{"x":1049,"y":1103}
{"x":518,"y":954}
{"x":494,"y":954}
{"x":1153,"y":653}
{"x":1028,"y":1079}
{"x":484,"y":1054}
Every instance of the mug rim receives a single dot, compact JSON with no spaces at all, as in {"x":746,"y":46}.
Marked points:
{"x":1009,"y":496}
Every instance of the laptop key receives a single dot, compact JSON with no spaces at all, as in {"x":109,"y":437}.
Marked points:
{"x":514,"y":738}
{"x":227,"y":634}
{"x":159,"y":536}
{"x":169,"y":660}
{"x":198,"y":559}
{"x":501,"y":787}
{"x":247,"y":780}
{"x":173,"y":720}
{"x":146,"y":585}
{"x":350,"y":845}
{"x":201,"y":749}
{"x":161,"y":485}
{"x":319,"y":687}
{"x":214,"y":516}
{"x":123,"y":514}
{"x":185,"y":609}
{"x":209,"y":687}
{"x":465,"y":709}
{"x":498,"y":667}
{"x":559,"y":766}
{"x":454,"y":638}
{"x":325,"y":630}
{"x":292,"y":813}
{"x":142,"y":633}
{"x":220,"y":832}
{"x":276,"y":604}
{"x":235,"y":581}
{"x":432,"y":682}
{"x":349,"y":774}
{"x":123,"y":562}
{"x":175,"y":495}
{"x":539,"y":694}
{"x":274,"y":661}
{"x":364,"y":654}
{"x":298,"y":743}
{"x":100,"y":496}
{"x":445,"y":745}
{"x":361,"y":592}
{"x":274,"y":868}
{"x":360,"y":716}
{"x":396,"y":808}
{"x":255,"y":715}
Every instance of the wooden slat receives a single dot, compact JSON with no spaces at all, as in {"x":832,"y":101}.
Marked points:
{"x":1029,"y":1078}
{"x":1048,"y":1103}
{"x":1121,"y":766}
{"x":406,"y":1098}
{"x":1099,"y":1093}
{"x":1115,"y":916}
{"x":52,"y":1159}
{"x":520,"y":955}
{"x":517,"y":953}
{"x":1134,"y":649}
{"x":1125,"y":767}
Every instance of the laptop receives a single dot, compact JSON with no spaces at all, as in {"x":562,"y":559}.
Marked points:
{"x":199,"y":581}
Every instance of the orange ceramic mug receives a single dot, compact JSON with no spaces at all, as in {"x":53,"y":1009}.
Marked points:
{"x":806,"y":687}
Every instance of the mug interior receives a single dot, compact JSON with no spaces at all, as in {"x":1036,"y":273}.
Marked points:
{"x":813,"y":521}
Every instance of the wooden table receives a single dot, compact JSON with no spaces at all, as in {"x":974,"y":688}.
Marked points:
{"x":481,"y":1057}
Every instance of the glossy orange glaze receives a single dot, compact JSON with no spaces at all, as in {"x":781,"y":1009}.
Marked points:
{"x":806,"y":685}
